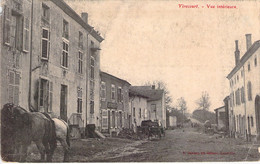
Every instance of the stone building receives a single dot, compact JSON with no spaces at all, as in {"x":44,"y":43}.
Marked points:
{"x":245,"y":91}
{"x":221,"y":118}
{"x":15,"y":52}
{"x":114,"y":98}
{"x":138,"y":107}
{"x":156,"y":109}
{"x":57,"y":71}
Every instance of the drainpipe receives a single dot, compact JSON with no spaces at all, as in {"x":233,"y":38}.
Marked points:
{"x":30,"y":67}
{"x":87,"y":59}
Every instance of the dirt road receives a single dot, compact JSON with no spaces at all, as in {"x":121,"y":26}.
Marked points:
{"x":188,"y":146}
{"x":176,"y":146}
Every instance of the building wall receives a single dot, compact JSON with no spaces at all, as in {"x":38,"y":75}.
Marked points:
{"x":254,"y":76}
{"x":221,"y":118}
{"x":172,"y":121}
{"x":160,"y":113}
{"x":93,"y":118}
{"x":13,"y":59}
{"x":139,"y":104}
{"x":241,"y":115}
{"x":52,"y":69}
{"x":109,"y":105}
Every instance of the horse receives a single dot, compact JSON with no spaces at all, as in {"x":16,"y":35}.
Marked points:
{"x":20,"y":128}
{"x":62,"y":135}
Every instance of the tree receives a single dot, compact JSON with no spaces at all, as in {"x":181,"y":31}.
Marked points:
{"x":182,"y":106}
{"x":204,"y":101}
{"x":163,"y":86}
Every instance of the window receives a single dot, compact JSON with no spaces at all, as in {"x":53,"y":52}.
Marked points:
{"x":119,"y":95}
{"x":80,"y":62}
{"x":231,"y":100}
{"x":92,"y":85}
{"x":237,"y":96}
{"x":45,"y":95}
{"x":140,"y":113}
{"x":65,"y":53}
{"x":248,"y":67}
{"x":252,"y":121}
{"x":45,"y":12}
{"x":242,"y":94}
{"x":80,"y":40}
{"x":120,"y":120}
{"x":241,"y":73}
{"x":16,"y":33}
{"x":249,"y":91}
{"x":65,"y":33}
{"x":134,"y":112}
{"x":91,"y":107}
{"x":237,"y":78}
{"x":92,"y":68}
{"x":45,"y":43}
{"x":113,"y":92}
{"x":26,"y":35}
{"x":255,"y":61}
{"x":103,"y":91}
{"x":233,"y":95}
{"x":113,"y":119}
{"x":104,"y":119}
{"x":7,"y":25}
{"x":13,"y":87}
{"x":79,"y":102}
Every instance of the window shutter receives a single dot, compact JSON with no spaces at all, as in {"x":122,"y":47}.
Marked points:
{"x":46,"y":97}
{"x":26,"y":34}
{"x":104,"y":119}
{"x":20,"y":28}
{"x":39,"y":93}
{"x":7,"y":25}
{"x":49,"y":44}
{"x":50,"y":96}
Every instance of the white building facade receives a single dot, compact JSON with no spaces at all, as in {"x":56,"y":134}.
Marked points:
{"x":244,"y":113}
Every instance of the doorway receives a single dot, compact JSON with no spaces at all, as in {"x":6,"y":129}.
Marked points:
{"x":63,"y":102}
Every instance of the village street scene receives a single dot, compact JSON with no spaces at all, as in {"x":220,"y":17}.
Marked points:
{"x":129,"y":81}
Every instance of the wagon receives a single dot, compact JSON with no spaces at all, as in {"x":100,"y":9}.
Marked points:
{"x":150,"y":129}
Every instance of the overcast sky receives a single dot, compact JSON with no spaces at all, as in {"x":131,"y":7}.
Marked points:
{"x":191,"y":50}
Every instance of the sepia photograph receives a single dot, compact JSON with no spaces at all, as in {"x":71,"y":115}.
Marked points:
{"x":130,"y":81}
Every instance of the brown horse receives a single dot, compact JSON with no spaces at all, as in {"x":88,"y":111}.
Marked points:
{"x":20,"y":128}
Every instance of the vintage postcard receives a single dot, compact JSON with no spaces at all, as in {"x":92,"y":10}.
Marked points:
{"x":130,"y":80}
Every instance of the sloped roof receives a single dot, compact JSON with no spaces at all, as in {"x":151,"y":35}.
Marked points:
{"x":68,"y":10}
{"x":114,"y":77}
{"x":245,"y":57}
{"x":147,"y":91}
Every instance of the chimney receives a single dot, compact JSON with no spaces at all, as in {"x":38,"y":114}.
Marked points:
{"x":248,"y":41}
{"x":153,"y":86}
{"x":237,"y":53}
{"x":84,"y":16}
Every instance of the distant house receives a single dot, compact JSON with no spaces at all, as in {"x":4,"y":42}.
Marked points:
{"x":172,"y":121}
{"x":221,"y":120}
{"x":138,"y":107}
{"x":114,"y":98}
{"x":155,"y":102}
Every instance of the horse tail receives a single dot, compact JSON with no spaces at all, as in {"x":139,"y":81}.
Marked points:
{"x":51,"y":130}
{"x":68,"y":136}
